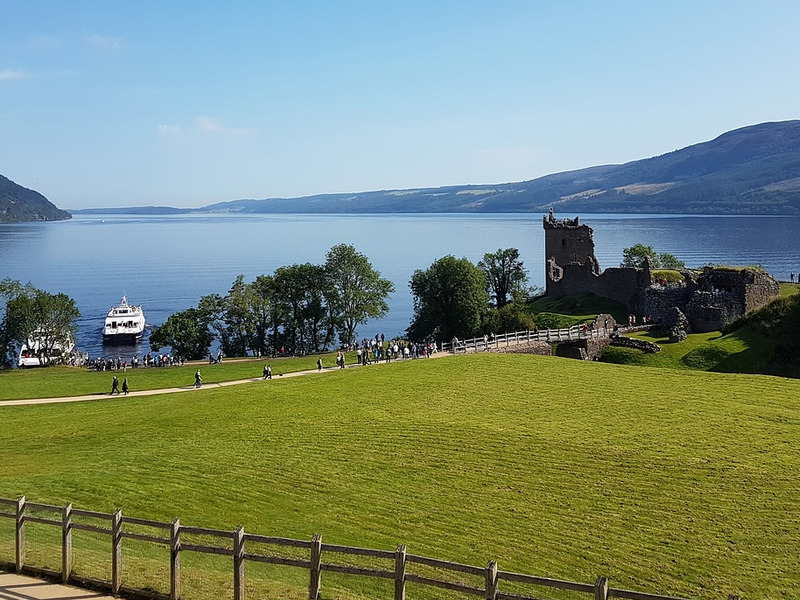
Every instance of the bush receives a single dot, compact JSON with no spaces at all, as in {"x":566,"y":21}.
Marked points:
{"x":669,"y":275}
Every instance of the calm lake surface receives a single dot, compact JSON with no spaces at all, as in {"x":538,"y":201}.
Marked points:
{"x":166,"y":263}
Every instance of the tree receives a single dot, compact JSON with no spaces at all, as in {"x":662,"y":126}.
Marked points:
{"x":357,"y":291}
{"x":670,"y":261}
{"x":186,"y":332}
{"x":33,"y":317}
{"x":301,"y":289}
{"x":505,"y":274}
{"x":450,"y":300}
{"x":636,"y":255}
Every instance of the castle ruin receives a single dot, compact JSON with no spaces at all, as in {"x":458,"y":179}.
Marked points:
{"x":710,"y":299}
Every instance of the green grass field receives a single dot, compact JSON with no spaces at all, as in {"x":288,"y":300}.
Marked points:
{"x":54,"y":382}
{"x":666,"y":481}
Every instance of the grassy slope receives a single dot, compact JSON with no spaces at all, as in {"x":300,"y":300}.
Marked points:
{"x":748,"y":349}
{"x":665,"y":481}
{"x":569,"y":310}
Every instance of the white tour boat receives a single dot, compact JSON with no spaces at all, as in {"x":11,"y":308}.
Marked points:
{"x":31,"y":355}
{"x":124,"y":322}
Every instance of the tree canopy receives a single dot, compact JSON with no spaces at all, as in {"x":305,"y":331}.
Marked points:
{"x":505,"y":274}
{"x":450,"y":300}
{"x":186,"y":332}
{"x":35,"y":318}
{"x":299,"y":308}
{"x":357,"y":292}
{"x":635,"y":255}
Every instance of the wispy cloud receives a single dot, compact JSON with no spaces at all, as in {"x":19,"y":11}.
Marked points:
{"x":205,"y":125}
{"x":212,"y":125}
{"x":104,"y":42}
{"x":12,"y":75}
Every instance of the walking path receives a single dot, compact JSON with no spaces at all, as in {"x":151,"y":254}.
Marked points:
{"x":100,"y":396}
{"x":19,"y":587}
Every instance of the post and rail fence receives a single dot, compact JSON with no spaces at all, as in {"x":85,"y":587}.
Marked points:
{"x":486,"y":343}
{"x":242,"y":547}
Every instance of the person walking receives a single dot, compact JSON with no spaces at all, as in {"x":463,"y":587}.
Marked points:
{"x":115,"y":385}
{"x":268,"y":372}
{"x":125,"y":386}
{"x":319,"y":364}
{"x":198,"y":381}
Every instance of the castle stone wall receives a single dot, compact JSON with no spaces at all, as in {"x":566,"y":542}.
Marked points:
{"x":709,"y":300}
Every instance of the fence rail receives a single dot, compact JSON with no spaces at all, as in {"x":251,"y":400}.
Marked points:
{"x":486,"y":343}
{"x":234,"y":546}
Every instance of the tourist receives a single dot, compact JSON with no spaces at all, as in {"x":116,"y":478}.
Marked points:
{"x":115,"y":385}
{"x":267,"y":371}
{"x":198,"y":381}
{"x":125,"y":386}
{"x":319,"y":364}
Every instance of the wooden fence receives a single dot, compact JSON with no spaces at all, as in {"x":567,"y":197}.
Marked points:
{"x":239,"y":546}
{"x":485,"y":343}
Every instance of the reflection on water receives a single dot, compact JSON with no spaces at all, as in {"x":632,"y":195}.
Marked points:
{"x":166,"y":263}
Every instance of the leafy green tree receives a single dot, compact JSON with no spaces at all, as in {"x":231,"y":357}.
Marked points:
{"x":34,"y":317}
{"x":636,"y":255}
{"x":505,"y":274}
{"x":237,"y":316}
{"x":264,"y":312}
{"x":301,"y":289}
{"x":357,"y":291}
{"x":670,"y":261}
{"x":450,"y":300}
{"x":186,"y":332}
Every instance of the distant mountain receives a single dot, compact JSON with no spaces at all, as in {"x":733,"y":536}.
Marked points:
{"x":751,"y":170}
{"x":19,"y":204}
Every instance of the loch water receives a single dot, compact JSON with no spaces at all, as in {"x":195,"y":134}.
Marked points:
{"x":166,"y":263}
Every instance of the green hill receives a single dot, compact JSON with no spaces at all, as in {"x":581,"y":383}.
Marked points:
{"x":677,"y":482}
{"x":18,"y":204}
{"x":751,"y":170}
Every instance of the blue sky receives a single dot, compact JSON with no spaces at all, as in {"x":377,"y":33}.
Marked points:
{"x":106,"y":103}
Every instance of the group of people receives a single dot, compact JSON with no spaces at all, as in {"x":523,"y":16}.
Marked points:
{"x":148,"y":360}
{"x":645,"y":320}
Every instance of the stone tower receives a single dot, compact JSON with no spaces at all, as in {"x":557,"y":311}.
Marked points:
{"x":567,"y":243}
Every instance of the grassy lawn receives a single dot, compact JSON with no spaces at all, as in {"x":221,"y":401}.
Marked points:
{"x":789,"y":289}
{"x":569,"y":310}
{"x":53,"y":382}
{"x":669,"y":481}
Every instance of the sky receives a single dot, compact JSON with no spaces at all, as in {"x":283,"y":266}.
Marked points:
{"x":184,"y":103}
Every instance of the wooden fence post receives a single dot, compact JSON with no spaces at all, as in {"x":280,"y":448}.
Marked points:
{"x":175,"y":560}
{"x":238,"y":563}
{"x":66,"y":543}
{"x":20,"y":535}
{"x":116,"y":552}
{"x":400,"y":573}
{"x":491,"y":580}
{"x":316,"y":569}
{"x":601,"y":588}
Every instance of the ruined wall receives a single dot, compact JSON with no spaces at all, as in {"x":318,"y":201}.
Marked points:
{"x":572,"y":268}
{"x":709,"y":300}
{"x":656,"y":300}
